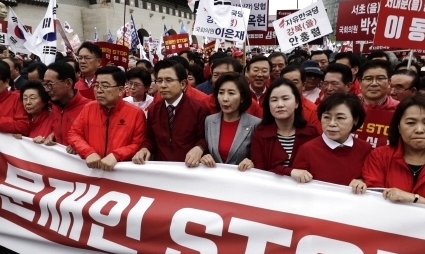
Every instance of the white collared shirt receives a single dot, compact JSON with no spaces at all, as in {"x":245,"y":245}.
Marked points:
{"x":333,"y":144}
{"x":143,"y":105}
{"x":175,"y":103}
{"x":257,"y":94}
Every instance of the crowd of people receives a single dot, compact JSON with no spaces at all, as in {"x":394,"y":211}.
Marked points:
{"x":292,"y":115}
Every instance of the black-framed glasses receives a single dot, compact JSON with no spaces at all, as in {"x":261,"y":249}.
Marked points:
{"x":50,"y":84}
{"x":379,"y":80}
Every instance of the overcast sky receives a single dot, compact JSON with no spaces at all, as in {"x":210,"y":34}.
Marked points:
{"x":287,"y":5}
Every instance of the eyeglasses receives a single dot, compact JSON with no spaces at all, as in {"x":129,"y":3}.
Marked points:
{"x":399,"y":88}
{"x":102,"y":87}
{"x":166,"y":80}
{"x":379,"y":80}
{"x":50,"y":85}
{"x":133,"y":84}
{"x":85,"y":58}
{"x":331,"y":83}
{"x":30,"y":99}
{"x":337,"y":119}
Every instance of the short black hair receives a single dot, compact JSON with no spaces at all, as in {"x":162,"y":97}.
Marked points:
{"x":378,"y":53}
{"x":237,"y":67}
{"x":353,"y":59}
{"x":405,"y":63}
{"x":344,"y":70}
{"x":64,"y":71}
{"x":4,"y":71}
{"x":216,"y":56}
{"x":190,"y":55}
{"x":258,"y":59}
{"x":92,"y":48}
{"x":36,"y":85}
{"x":146,"y":62}
{"x":16,"y":63}
{"x":374,"y":64}
{"x":140,"y":73}
{"x":278,"y":54}
{"x":394,"y":132}
{"x":351,"y":100}
{"x":70,"y":60}
{"x":177,"y":67}
{"x":242,"y":85}
{"x":181,"y":60}
{"x":318,"y":52}
{"x":197,"y":72}
{"x":294,"y":67}
{"x":117,"y":74}
{"x":299,"y":120}
{"x":40,"y":67}
{"x":412,"y":74}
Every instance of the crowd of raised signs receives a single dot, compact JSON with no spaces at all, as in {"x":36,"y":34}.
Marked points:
{"x":340,"y":118}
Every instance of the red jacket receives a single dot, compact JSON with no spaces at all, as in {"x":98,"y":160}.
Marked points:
{"x":120,"y":131}
{"x":64,"y":116}
{"x":389,"y":104}
{"x":355,"y":87}
{"x":268,"y":154}
{"x":13,"y":117}
{"x":188,"y":130}
{"x":310,"y":114}
{"x":260,"y":100}
{"x":42,"y":126}
{"x":254,"y":109}
{"x":87,"y":92}
{"x":385,"y":167}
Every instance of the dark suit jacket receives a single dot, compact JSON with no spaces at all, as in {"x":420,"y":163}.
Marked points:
{"x":241,"y":144}
{"x":188,"y":130}
{"x":20,"y":82}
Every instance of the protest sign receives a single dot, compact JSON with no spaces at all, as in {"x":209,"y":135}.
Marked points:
{"x":375,"y":127}
{"x":401,"y":24}
{"x":54,"y":201}
{"x":258,"y":14}
{"x":116,"y":54}
{"x":302,"y":26}
{"x":176,"y":43}
{"x":357,"y":20}
{"x":235,"y":31}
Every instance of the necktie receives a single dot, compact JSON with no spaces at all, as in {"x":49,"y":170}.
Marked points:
{"x":170,"y":110}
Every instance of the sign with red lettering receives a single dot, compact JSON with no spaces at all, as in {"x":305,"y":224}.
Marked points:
{"x":357,"y":20}
{"x":113,"y":53}
{"x":176,"y":43}
{"x":209,"y":47}
{"x":375,"y":127}
{"x":62,"y":206}
{"x":401,"y":24}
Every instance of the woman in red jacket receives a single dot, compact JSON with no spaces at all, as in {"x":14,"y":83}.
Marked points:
{"x":398,"y":167}
{"x":36,"y":103}
{"x":283,"y":129}
{"x":335,"y":157}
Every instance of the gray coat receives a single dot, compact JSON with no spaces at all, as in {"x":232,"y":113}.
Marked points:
{"x":241,"y":144}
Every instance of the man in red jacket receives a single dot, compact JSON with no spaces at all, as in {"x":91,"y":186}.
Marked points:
{"x":258,"y":75}
{"x":13,"y":118}
{"x":89,"y":58}
{"x":67,"y":103}
{"x":108,"y":130}
{"x":176,"y":129}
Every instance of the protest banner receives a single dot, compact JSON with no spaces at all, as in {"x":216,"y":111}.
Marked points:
{"x":368,"y":47}
{"x":357,"y":20}
{"x":401,"y":24}
{"x":375,"y":127}
{"x":65,"y":40}
{"x":235,"y":31}
{"x":114,"y":53}
{"x":3,"y":39}
{"x":302,"y":26}
{"x":53,"y":201}
{"x":258,"y":15}
{"x":75,"y":42}
{"x":176,"y":43}
{"x":209,"y":47}
{"x":264,"y":37}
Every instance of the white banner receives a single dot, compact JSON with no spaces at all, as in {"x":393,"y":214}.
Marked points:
{"x":258,"y":15}
{"x":50,"y":202}
{"x":302,"y":26}
{"x":3,"y":39}
{"x":235,"y":31}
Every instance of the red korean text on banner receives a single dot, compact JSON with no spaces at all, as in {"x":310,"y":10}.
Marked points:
{"x":209,"y":47}
{"x":401,"y":24}
{"x":375,"y":127}
{"x":176,"y":43}
{"x":113,"y":53}
{"x":357,"y":20}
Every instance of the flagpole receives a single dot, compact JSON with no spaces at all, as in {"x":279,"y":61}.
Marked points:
{"x":123,"y":30}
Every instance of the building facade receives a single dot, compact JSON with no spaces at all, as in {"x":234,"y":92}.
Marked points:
{"x":85,"y":15}
{"x":332,"y":10}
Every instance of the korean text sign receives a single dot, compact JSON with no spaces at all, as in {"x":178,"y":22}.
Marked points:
{"x":302,"y":26}
{"x":236,"y":30}
{"x":357,"y":20}
{"x":117,"y":54}
{"x":401,"y":24}
{"x":176,"y":43}
{"x":258,"y":15}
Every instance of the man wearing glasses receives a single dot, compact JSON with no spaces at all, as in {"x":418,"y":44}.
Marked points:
{"x":108,"y":130}
{"x":403,"y":84}
{"x":89,"y":58}
{"x":67,"y":103}
{"x":337,"y":78}
{"x":176,"y":129}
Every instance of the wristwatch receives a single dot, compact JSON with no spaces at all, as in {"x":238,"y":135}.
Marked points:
{"x":416,"y":198}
